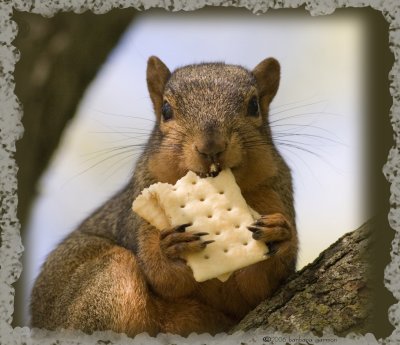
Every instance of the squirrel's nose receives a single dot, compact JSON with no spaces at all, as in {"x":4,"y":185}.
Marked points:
{"x":211,"y":148}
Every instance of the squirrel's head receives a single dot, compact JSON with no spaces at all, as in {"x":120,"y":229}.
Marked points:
{"x":212,"y":116}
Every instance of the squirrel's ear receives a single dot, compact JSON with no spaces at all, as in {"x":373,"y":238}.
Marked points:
{"x":157,"y":76}
{"x":267,"y":74}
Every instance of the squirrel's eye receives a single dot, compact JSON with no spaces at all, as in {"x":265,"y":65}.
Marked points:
{"x":252,"y":107}
{"x":166,"y":111}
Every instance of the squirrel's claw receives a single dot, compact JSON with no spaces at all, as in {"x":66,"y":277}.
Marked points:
{"x":176,"y":241}
{"x":182,"y":228}
{"x":205,"y":243}
{"x":177,"y":229}
{"x":201,"y":233}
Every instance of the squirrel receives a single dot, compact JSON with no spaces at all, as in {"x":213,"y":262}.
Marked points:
{"x":117,"y":272}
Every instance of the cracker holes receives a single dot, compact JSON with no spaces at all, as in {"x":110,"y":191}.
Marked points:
{"x":225,"y":250}
{"x":202,"y":199}
{"x":206,"y":257}
{"x":237,"y":226}
{"x":183,"y":206}
{"x":209,"y":216}
{"x":218,"y":232}
{"x":245,"y":243}
{"x":229,"y":209}
{"x":194,"y":182}
{"x":221,"y":192}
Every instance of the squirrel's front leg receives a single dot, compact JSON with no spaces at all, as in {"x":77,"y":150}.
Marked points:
{"x":264,"y":277}
{"x":162,"y":258}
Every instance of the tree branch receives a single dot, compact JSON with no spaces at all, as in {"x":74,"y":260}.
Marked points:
{"x":334,"y":291}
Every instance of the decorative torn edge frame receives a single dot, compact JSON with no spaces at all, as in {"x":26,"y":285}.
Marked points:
{"x":11,"y":130}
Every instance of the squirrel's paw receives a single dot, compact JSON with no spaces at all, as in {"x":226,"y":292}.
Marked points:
{"x":175,"y":242}
{"x":273,"y":229}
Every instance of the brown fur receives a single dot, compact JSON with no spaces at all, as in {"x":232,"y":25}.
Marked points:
{"x":118,"y":272}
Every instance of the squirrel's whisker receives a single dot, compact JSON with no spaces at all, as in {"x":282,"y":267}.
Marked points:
{"x":306,"y":135}
{"x":271,"y":123}
{"x":287,"y":144}
{"x":274,"y":113}
{"x":124,"y":115}
{"x":108,"y":155}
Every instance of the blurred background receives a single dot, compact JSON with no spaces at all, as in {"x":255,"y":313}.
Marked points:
{"x":316,"y":117}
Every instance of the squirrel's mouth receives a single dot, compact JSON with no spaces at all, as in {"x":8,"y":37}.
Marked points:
{"x":213,"y":171}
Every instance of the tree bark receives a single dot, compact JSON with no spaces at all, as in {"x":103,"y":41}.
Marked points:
{"x":334,"y":291}
{"x":59,"y":57}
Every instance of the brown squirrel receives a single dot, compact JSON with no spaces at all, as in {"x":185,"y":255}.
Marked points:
{"x":118,"y":272}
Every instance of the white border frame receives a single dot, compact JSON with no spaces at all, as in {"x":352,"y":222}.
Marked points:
{"x":11,"y":130}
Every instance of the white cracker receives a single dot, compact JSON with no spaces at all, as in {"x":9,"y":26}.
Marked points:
{"x":147,"y":206}
{"x":213,"y":205}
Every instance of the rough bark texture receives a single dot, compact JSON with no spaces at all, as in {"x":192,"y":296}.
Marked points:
{"x":334,"y":291}
{"x":59,"y":57}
